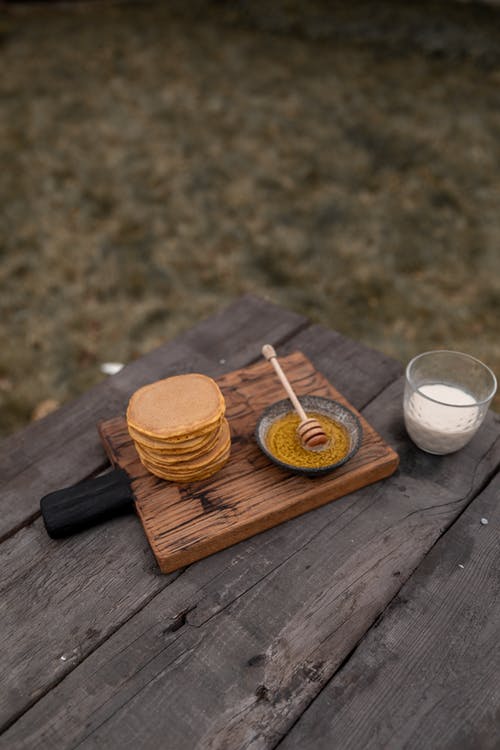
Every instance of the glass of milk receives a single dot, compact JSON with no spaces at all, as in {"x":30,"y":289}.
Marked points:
{"x":447,"y":395}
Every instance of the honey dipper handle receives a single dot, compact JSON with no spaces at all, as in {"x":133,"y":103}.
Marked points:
{"x":270,"y":354}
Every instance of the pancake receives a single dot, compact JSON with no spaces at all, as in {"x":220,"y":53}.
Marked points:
{"x":194,"y":462}
{"x":176,"y":408}
{"x":177,"y":476}
{"x":179,"y":448}
{"x":177,"y":442}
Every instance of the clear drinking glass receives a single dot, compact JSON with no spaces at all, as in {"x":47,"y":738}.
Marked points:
{"x":447,"y":395}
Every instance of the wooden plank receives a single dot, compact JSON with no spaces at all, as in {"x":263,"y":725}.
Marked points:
{"x":33,"y":463}
{"x":184,"y":523}
{"x":427,"y":675}
{"x":66,"y":598}
{"x":233,"y":651}
{"x":358,"y":376}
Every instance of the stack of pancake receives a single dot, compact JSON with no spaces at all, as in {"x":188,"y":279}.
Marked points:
{"x":178,"y":427}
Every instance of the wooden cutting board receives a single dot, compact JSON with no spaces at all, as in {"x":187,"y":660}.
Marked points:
{"x":186,"y":522}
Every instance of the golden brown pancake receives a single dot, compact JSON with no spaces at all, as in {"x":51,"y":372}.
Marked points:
{"x":177,"y":442}
{"x":176,"y":476}
{"x":179,"y":448}
{"x":179,"y":407}
{"x":194,"y":462}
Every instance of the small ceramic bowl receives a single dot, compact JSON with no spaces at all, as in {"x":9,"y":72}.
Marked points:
{"x":333,"y":409}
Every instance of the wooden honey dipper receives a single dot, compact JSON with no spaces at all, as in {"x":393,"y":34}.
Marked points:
{"x":310,"y":432}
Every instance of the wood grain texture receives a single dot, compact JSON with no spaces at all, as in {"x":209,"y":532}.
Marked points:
{"x":233,"y":651}
{"x":359,"y":373}
{"x":427,"y":675}
{"x":186,"y":522}
{"x":33,"y":463}
{"x":66,"y":598}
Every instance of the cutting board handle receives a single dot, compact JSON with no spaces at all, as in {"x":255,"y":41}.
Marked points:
{"x":87,"y":503}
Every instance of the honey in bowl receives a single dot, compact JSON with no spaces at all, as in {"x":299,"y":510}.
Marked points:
{"x":276,"y":435}
{"x":283,"y":441}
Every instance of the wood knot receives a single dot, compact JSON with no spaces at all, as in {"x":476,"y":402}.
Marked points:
{"x":262,"y":693}
{"x":313,"y":672}
{"x":256,"y":661}
{"x":179,"y":620}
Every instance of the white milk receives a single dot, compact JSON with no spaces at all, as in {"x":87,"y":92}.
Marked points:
{"x":441,"y":427}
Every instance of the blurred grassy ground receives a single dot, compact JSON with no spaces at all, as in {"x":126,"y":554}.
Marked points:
{"x":158,"y":161}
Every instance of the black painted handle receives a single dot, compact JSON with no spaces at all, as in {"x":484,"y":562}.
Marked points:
{"x":87,"y":503}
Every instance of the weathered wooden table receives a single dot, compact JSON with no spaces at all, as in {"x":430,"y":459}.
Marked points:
{"x":372,"y":622}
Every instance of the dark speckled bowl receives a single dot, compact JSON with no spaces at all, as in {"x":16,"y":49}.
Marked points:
{"x":333,"y":409}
